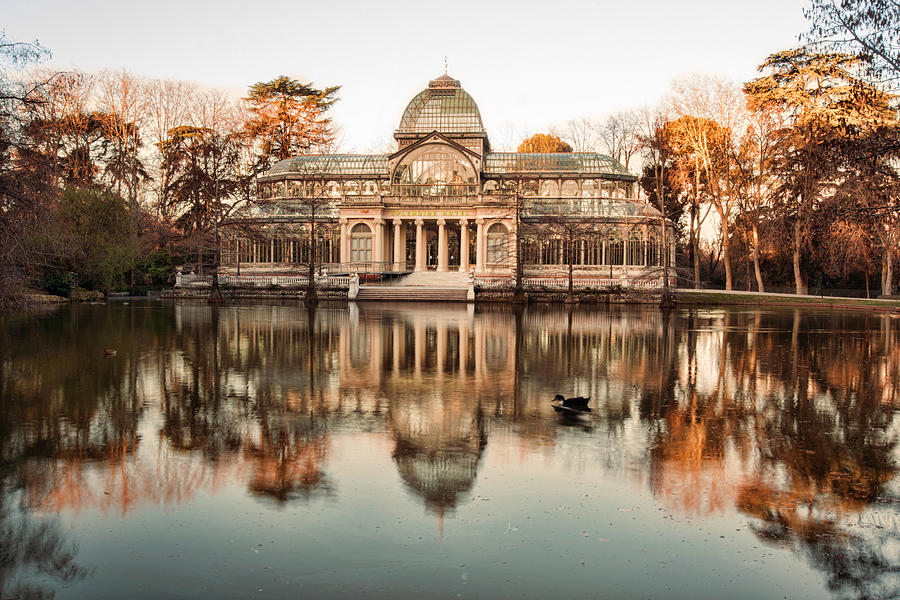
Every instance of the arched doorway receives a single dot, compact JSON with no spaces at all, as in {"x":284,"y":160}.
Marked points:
{"x":498,"y":244}
{"x":360,"y":243}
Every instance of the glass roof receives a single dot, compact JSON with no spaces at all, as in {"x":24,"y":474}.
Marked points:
{"x":535,"y":163}
{"x":333,"y":164}
{"x":444,"y":106}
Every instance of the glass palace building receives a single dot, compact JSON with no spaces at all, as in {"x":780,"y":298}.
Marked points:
{"x":443,"y":201}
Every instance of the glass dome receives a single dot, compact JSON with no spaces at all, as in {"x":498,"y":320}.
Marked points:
{"x":444,"y":106}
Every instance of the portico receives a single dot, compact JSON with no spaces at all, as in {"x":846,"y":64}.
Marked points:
{"x":402,"y":241}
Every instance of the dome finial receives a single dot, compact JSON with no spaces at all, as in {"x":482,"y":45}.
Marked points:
{"x":445,"y":65}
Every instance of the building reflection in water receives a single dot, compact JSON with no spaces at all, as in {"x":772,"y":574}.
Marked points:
{"x":788,"y":417}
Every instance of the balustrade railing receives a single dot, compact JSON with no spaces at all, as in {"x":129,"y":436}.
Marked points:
{"x":562,"y":282}
{"x":488,"y":281}
{"x":260,"y":281}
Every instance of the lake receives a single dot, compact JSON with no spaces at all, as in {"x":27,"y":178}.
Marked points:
{"x":409,"y":451}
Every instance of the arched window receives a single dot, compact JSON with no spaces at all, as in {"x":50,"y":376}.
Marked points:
{"x":570,"y":188}
{"x":490,"y":187}
{"x":530,"y":188}
{"x":497,"y":242}
{"x":589,"y":188}
{"x":295,"y":189}
{"x":549,"y":189}
{"x":653,"y":250}
{"x":436,"y":170}
{"x":360,"y":243}
{"x":369,"y":188}
{"x":608,"y":189}
{"x":333,"y":189}
{"x":510,"y":187}
{"x":634,"y":254}
{"x":351,"y":188}
{"x":615,"y":248}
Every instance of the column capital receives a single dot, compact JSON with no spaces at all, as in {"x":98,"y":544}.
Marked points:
{"x":343,"y":220}
{"x":464,"y":221}
{"x":479,"y":221}
{"x":420,"y":221}
{"x":397,"y":222}
{"x":379,"y":221}
{"x":441,"y":221}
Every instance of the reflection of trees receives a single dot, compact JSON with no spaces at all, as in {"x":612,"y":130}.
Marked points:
{"x":248,"y":390}
{"x":31,"y":550}
{"x":788,"y":416}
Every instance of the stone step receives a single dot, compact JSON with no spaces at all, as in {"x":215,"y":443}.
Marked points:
{"x":446,"y":280}
{"x":399,"y":293}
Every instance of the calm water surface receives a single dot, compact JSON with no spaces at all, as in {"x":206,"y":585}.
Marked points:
{"x":406,"y":452}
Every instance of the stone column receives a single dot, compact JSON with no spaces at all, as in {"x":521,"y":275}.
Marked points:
{"x":479,"y":245}
{"x":442,"y":245}
{"x":345,"y":242}
{"x":397,"y":247}
{"x":420,"y":245}
{"x":378,"y":242}
{"x":463,"y":244}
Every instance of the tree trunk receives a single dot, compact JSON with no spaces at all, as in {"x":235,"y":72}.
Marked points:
{"x":312,"y":298}
{"x":695,"y":250}
{"x":887,"y":286}
{"x":726,"y":257}
{"x":570,"y":297}
{"x":800,"y":287}
{"x":759,"y":280}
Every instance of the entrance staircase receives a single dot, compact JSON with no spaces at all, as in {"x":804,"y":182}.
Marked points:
{"x":426,"y":286}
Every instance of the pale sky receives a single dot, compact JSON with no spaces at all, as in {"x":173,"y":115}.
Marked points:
{"x":529,"y":65}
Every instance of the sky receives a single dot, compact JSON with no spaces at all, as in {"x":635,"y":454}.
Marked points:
{"x":528,"y":65}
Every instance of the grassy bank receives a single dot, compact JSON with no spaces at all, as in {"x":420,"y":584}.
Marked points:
{"x":718,"y":297}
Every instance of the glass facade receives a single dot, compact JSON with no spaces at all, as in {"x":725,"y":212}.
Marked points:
{"x":435,"y":171}
{"x":444,"y":201}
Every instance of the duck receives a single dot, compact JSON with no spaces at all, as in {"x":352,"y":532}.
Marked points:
{"x":576,"y":402}
{"x":110,"y":352}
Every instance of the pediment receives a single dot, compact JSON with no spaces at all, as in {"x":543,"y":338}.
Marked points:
{"x":435,"y":137}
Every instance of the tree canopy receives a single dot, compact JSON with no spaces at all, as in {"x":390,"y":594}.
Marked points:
{"x":544,"y":142}
{"x":289,"y":118}
{"x":867,"y":28}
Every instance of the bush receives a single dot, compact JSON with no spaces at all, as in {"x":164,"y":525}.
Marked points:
{"x":58,"y":283}
{"x":159,"y":266}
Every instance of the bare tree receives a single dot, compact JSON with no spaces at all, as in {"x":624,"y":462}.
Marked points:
{"x":582,"y":134}
{"x":655,"y":145}
{"x":565,"y":221}
{"x":619,"y":136}
{"x":716,"y":118}
{"x":168,"y":106}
